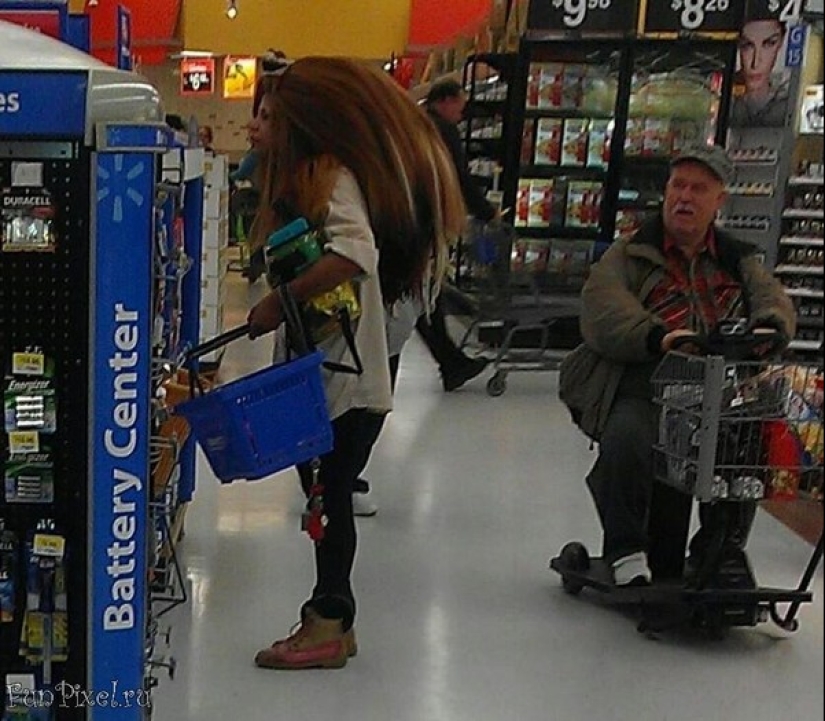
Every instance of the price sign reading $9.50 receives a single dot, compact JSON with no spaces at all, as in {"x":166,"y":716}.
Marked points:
{"x":575,"y":11}
{"x":617,"y":16}
{"x":674,"y":16}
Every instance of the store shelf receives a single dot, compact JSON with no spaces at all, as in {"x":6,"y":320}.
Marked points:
{"x":805,"y":293}
{"x":810,"y":345}
{"x":553,"y":171}
{"x":803,"y":213}
{"x":567,"y":113}
{"x":802,"y":241}
{"x":486,"y":138}
{"x":755,"y":163}
{"x":496,"y":105}
{"x":762,"y":228}
{"x":556,"y":231}
{"x":799,"y":270}
{"x":648,"y":159}
{"x":746,"y":194}
{"x":770,"y":157}
{"x":806,"y":181}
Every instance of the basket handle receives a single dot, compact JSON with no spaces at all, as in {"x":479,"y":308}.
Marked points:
{"x":217,"y":342}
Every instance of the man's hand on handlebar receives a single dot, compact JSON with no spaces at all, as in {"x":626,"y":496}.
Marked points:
{"x":670,"y":341}
{"x":770,"y":345}
{"x":735,"y":343}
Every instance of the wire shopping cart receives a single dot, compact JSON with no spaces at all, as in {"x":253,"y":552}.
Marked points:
{"x":517,"y":322}
{"x":732,"y":432}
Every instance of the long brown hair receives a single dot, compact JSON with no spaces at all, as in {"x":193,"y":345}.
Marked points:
{"x":334,"y":112}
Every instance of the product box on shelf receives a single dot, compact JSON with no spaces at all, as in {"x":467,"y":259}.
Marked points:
{"x":657,"y":138}
{"x":569,"y":258}
{"x":628,"y":221}
{"x":583,"y":202}
{"x":574,"y":142}
{"x":598,"y":150}
{"x":522,"y":203}
{"x":548,"y":141}
{"x":634,"y":136}
{"x":541,"y":192}
{"x":527,"y":138}
{"x":530,"y":256}
{"x":573,"y":86}
{"x":551,"y":86}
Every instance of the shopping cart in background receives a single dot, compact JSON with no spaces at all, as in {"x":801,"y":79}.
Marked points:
{"x":731,"y":431}
{"x":516,"y":319}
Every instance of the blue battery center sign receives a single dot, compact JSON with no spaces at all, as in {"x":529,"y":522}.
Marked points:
{"x":121,"y":442}
{"x":121,"y":424}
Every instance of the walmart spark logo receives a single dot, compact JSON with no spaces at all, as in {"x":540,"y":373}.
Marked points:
{"x":117,"y":177}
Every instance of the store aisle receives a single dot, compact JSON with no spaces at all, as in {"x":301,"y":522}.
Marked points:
{"x":459,"y":618}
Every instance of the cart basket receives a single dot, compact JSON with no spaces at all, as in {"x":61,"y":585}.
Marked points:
{"x":262,"y":423}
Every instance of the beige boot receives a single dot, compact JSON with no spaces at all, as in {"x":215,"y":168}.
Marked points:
{"x":317,"y":643}
{"x":302,"y":629}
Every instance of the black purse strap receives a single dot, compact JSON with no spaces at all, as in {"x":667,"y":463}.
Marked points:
{"x":346,"y":329}
{"x":300,"y":340}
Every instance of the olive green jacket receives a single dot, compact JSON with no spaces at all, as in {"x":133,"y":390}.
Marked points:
{"x":618,"y":330}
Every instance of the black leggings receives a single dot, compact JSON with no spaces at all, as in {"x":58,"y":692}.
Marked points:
{"x":332,"y":596}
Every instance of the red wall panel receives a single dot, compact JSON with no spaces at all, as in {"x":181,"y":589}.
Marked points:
{"x":435,"y":22}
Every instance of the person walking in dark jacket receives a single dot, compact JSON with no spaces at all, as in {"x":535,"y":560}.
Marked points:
{"x":445,"y":105}
{"x":678,"y":275}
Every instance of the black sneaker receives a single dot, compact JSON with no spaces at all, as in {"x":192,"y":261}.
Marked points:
{"x":464,"y":371}
{"x":361,"y":486}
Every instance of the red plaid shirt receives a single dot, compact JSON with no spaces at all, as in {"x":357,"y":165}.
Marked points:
{"x":694,"y":294}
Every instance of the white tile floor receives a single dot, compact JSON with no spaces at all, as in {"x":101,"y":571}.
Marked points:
{"x":459,"y":617}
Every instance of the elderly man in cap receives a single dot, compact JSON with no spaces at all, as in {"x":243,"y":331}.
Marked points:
{"x":677,"y":275}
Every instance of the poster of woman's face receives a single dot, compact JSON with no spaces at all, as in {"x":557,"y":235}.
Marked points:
{"x":760,"y":94}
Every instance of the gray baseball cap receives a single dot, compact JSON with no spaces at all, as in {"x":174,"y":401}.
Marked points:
{"x":713,"y":157}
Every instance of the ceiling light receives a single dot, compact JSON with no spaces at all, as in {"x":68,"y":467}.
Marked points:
{"x":232,"y":9}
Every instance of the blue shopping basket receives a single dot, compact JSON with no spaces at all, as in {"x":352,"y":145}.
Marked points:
{"x":262,"y":423}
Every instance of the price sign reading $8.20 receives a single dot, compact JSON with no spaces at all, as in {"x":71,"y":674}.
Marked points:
{"x":583,"y":16}
{"x":674,"y":16}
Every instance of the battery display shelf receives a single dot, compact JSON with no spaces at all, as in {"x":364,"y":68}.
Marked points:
{"x":99,"y":299}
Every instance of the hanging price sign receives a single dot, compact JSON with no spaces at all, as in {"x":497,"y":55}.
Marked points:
{"x":694,"y":16}
{"x":786,"y":11}
{"x":583,"y":16}
{"x":197,"y":76}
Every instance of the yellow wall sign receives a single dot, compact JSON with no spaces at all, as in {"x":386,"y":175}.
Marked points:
{"x":239,"y":75}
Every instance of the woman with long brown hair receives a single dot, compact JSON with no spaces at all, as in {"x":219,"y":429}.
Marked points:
{"x":351,"y":153}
